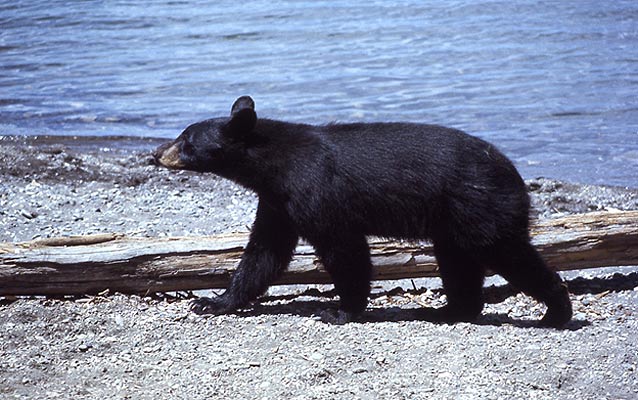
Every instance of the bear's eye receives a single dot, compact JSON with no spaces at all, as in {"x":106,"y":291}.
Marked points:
{"x":187,"y":147}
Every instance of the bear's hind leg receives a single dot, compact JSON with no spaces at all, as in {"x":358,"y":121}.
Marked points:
{"x":521,"y":265}
{"x":462,"y":280}
{"x":347,"y":260}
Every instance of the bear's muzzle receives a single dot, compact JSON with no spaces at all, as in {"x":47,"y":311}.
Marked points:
{"x":167,"y":155}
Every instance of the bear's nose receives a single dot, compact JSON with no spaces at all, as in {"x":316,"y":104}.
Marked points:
{"x":168,"y":155}
{"x":158,"y":152}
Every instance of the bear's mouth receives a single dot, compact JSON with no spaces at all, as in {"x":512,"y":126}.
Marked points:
{"x":167,"y":155}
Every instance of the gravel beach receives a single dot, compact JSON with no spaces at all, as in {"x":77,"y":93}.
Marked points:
{"x":133,"y":347}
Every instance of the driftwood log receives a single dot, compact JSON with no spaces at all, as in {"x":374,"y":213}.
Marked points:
{"x":92,"y":264}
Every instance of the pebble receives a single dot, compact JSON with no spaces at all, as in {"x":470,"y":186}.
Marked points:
{"x":27,"y":214}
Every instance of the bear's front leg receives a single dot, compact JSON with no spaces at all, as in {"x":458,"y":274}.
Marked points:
{"x":268,"y":253}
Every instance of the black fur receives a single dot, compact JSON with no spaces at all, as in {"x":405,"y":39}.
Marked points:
{"x":334,"y":185}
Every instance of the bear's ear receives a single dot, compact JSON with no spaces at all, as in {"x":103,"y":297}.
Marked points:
{"x":241,"y":103}
{"x":242,"y":117}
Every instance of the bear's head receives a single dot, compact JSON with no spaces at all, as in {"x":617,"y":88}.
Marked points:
{"x":211,"y":145}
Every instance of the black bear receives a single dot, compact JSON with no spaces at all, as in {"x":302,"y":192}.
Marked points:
{"x":334,"y":185}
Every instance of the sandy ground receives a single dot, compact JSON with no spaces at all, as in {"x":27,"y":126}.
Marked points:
{"x":132,"y":347}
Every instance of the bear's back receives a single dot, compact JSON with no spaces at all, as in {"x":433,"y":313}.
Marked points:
{"x":399,"y":180}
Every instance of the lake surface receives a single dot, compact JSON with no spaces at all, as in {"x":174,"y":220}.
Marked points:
{"x":554,"y":84}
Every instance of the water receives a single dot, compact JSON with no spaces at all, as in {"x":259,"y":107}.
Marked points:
{"x":553,"y":84}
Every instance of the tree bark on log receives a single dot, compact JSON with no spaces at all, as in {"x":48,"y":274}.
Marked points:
{"x":92,"y":264}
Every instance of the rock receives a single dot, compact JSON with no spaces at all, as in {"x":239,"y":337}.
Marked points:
{"x":28,"y":214}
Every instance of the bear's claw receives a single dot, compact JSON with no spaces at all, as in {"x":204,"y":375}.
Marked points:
{"x":206,"y":305}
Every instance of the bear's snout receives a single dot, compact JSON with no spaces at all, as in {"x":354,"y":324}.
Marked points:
{"x":167,"y":155}
{"x":157,"y":153}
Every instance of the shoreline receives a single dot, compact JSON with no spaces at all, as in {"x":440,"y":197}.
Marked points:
{"x":140,"y":144}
